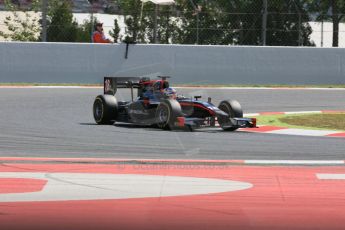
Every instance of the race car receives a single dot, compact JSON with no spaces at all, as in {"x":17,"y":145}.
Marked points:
{"x":156,"y":103}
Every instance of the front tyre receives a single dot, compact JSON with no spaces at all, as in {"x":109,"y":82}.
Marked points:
{"x":105,"y":109}
{"x":233,"y":109}
{"x":167,"y":113}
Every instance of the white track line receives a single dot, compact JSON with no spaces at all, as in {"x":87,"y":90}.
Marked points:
{"x":251,"y":114}
{"x":304,"y":132}
{"x":288,"y":113}
{"x":302,"y":112}
{"x":89,"y":186}
{"x":332,"y":176}
{"x":295,"y":162}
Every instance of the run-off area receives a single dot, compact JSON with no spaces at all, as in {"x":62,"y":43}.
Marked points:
{"x":171,"y":196}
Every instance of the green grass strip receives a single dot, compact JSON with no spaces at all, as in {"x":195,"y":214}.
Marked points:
{"x":325,"y":121}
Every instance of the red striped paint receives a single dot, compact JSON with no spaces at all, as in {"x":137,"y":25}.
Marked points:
{"x":282,"y":198}
{"x":271,"y":113}
{"x":336,"y":135}
{"x":17,"y":185}
{"x":116,"y":160}
{"x":333,"y":111}
{"x":263,"y":129}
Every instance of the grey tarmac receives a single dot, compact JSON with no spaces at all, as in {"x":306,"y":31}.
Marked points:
{"x":58,"y":123}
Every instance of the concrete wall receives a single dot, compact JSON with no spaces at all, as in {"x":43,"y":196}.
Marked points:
{"x":88,"y":63}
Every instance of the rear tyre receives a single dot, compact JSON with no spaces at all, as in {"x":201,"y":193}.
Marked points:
{"x":105,"y":109}
{"x":233,"y":109}
{"x":166,"y":114}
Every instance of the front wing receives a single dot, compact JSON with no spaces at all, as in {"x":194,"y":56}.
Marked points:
{"x":212,"y":122}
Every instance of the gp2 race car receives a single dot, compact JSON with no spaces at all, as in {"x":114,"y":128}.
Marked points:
{"x":158,"y":104}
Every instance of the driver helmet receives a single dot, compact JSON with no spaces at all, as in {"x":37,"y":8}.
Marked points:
{"x":170,"y":92}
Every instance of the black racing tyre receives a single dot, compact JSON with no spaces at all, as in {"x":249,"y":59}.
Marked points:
{"x":166,"y":114}
{"x":105,"y":109}
{"x":231,"y":107}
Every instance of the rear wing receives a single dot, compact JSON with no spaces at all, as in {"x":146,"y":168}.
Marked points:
{"x":111,"y":84}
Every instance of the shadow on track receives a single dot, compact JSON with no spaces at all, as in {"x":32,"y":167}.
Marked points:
{"x":156,"y":129}
{"x":88,"y":124}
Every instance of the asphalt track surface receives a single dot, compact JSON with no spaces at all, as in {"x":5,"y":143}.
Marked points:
{"x":59,"y":123}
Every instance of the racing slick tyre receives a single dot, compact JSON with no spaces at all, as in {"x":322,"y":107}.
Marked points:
{"x":166,"y":114}
{"x":234,"y":109}
{"x":105,"y":109}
